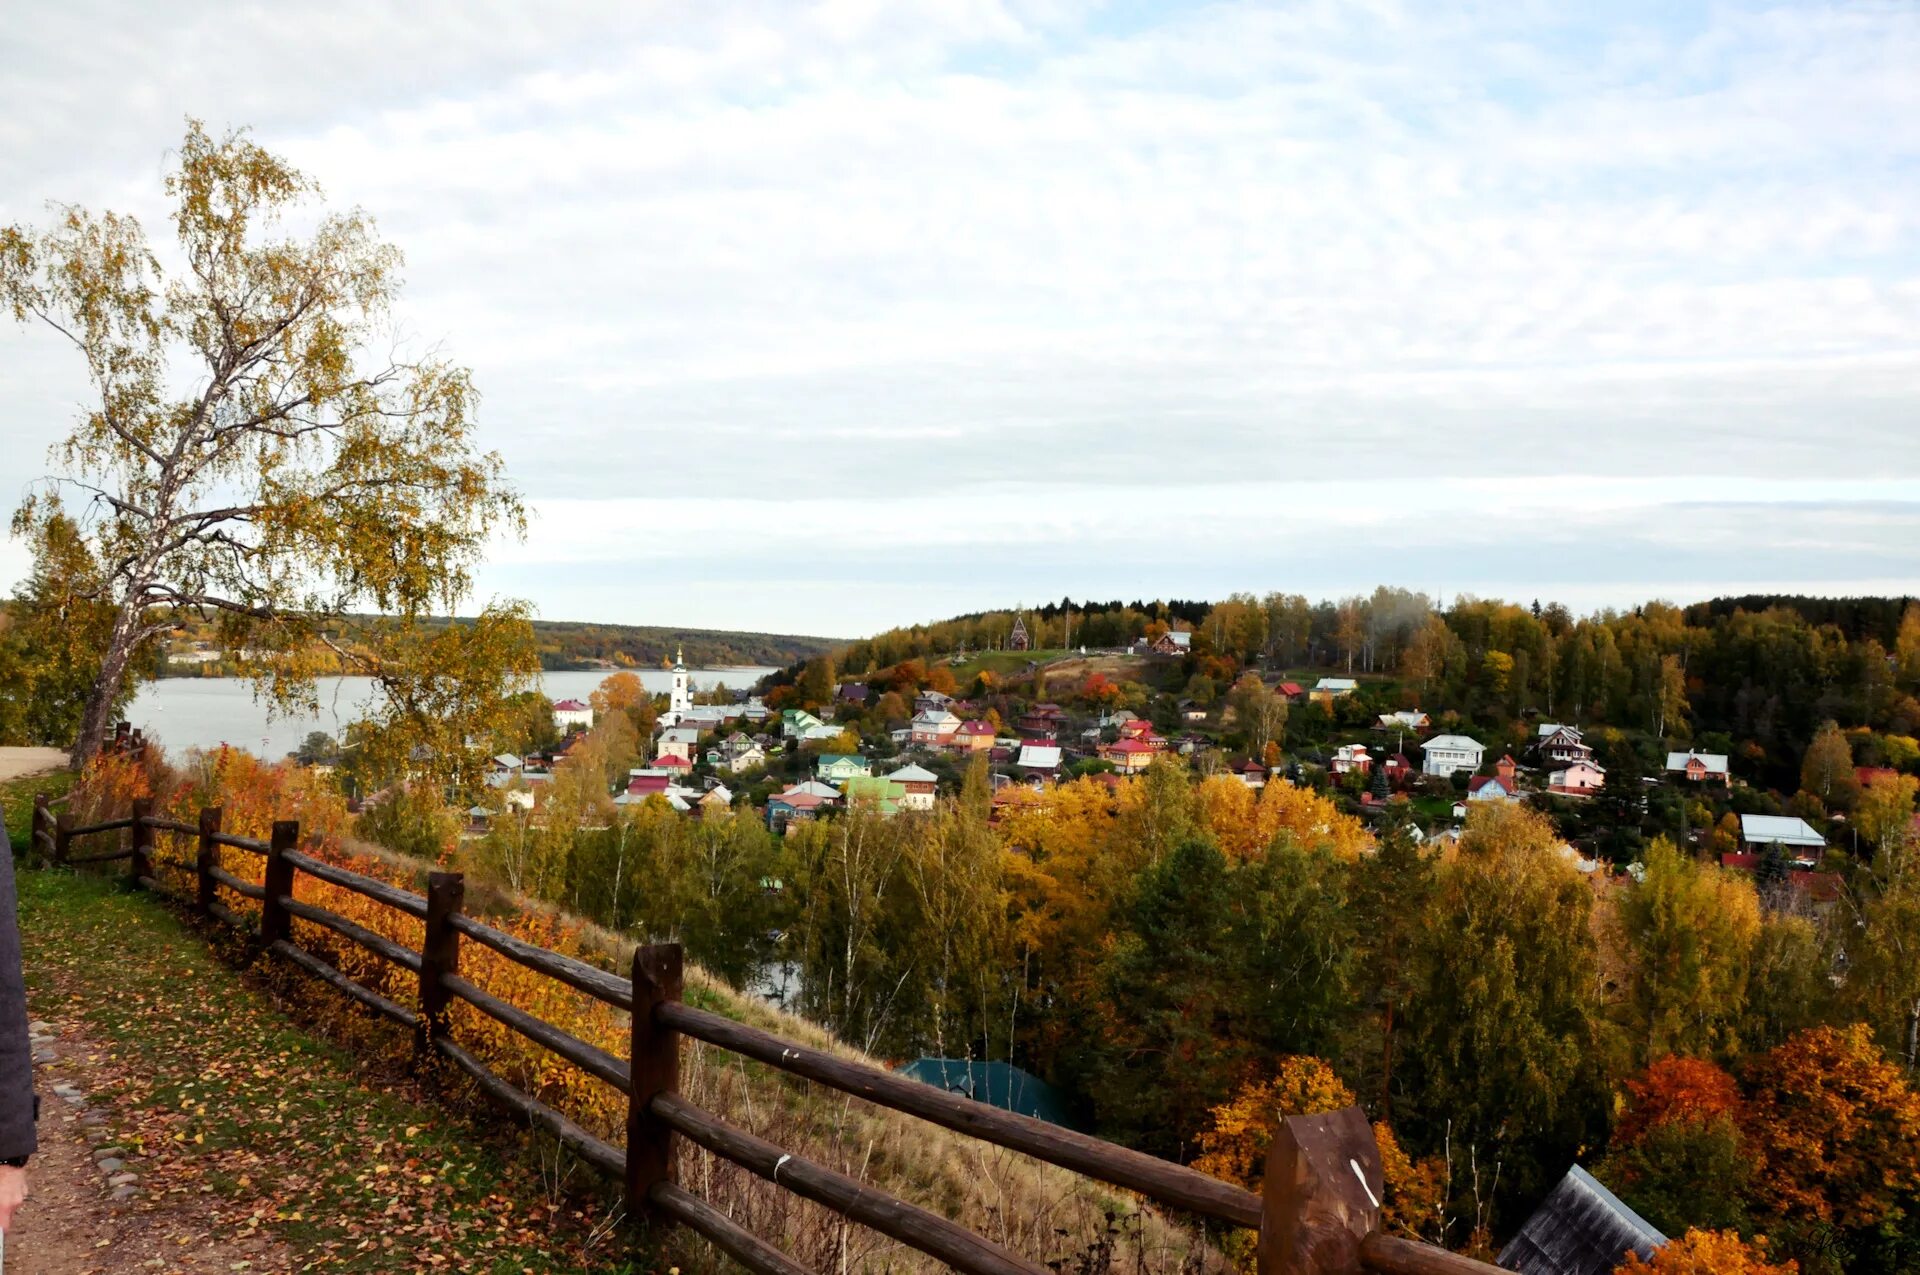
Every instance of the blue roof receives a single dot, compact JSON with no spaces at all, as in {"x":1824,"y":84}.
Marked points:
{"x":997,"y":1084}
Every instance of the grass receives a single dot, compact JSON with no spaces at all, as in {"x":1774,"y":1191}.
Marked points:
{"x":272,"y":1128}
{"x":320,"y":1137}
{"x":16,"y":800}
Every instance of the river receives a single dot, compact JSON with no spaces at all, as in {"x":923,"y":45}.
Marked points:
{"x":205,"y":712}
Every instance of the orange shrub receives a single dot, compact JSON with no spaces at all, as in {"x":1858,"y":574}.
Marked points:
{"x":1708,"y":1253}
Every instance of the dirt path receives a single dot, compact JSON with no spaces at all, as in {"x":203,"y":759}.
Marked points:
{"x":16,"y":763}
{"x":94,"y":1206}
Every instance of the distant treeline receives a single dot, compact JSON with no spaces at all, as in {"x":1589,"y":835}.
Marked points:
{"x":566,"y":645}
{"x":1752,"y":675}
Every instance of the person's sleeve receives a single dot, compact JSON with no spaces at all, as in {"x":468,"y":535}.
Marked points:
{"x":17,"y":1136}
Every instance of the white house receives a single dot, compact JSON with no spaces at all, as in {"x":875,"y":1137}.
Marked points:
{"x":571,"y":714}
{"x":920,"y":785}
{"x":1448,"y":754}
{"x":1351,"y":757}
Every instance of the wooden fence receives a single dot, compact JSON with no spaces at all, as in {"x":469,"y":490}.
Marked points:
{"x":1319,"y":1214}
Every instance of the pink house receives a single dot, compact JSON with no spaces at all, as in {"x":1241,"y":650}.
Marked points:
{"x":1581,"y":779}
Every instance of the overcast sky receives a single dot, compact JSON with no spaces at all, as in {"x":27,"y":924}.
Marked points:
{"x":821,"y":318}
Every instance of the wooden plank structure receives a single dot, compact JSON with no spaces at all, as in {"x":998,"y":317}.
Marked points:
{"x":1318,"y":1215}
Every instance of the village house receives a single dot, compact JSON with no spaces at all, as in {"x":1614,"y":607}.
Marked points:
{"x":1018,"y":640}
{"x":1447,"y":754}
{"x":784,"y":809}
{"x":1292,"y":692}
{"x":1172,"y":642}
{"x":673,"y":764}
{"x":736,"y":754}
{"x":917,"y":787}
{"x":796,"y":722}
{"x":571,"y":714}
{"x":1192,"y":712}
{"x":933,"y":728}
{"x":930,"y":701}
{"x":837,"y":768}
{"x":1129,"y":756}
{"x":678,"y":741}
{"x":1405,"y":719}
{"x":1349,"y":758}
{"x":974,"y":736}
{"x":1581,"y":779}
{"x":1799,"y":839}
{"x":884,"y":794}
{"x":1038,"y":759}
{"x":1398,"y":769}
{"x":854,"y":693}
{"x":1502,"y":785}
{"x":1329,"y":689}
{"x":1139,"y":728}
{"x":1251,"y":773}
{"x":1561,"y":745}
{"x":1699,"y":768}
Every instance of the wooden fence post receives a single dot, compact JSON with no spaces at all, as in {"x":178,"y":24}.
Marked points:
{"x":654,"y":1059}
{"x":62,"y":836}
{"x":121,"y":732}
{"x":141,"y":865}
{"x":276,"y":922}
{"x":439,"y":956}
{"x":204,"y":859}
{"x":40,"y":832}
{"x":1321,"y":1196}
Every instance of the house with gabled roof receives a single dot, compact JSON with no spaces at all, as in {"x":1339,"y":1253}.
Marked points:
{"x":796,"y":722}
{"x":1038,"y":759}
{"x":1404,"y":719}
{"x":933,"y":728}
{"x":973,"y":736}
{"x":1349,"y":758}
{"x":838,"y":768}
{"x":572,"y":714}
{"x":1129,"y":756}
{"x":1700,"y":768}
{"x":886,"y":794}
{"x":1329,"y":689}
{"x":1561,"y":745}
{"x":1447,"y":754}
{"x":918,"y":787}
{"x":1502,"y":785}
{"x":1581,"y":779}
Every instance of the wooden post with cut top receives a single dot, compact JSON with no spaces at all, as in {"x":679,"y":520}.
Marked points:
{"x":276,"y":922}
{"x":40,"y":834}
{"x":654,"y":1059}
{"x":1321,"y":1197}
{"x":206,"y":856}
{"x":439,"y":956}
{"x":62,"y":836}
{"x":141,"y":865}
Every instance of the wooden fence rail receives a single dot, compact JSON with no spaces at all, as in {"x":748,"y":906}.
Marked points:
{"x":1319,"y":1213}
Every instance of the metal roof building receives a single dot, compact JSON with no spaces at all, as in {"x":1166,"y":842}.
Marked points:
{"x":1581,"y":1228}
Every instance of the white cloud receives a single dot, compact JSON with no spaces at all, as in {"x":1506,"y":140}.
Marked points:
{"x":990,"y":278}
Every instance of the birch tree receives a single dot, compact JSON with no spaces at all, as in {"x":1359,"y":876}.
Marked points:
{"x":258,"y":449}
